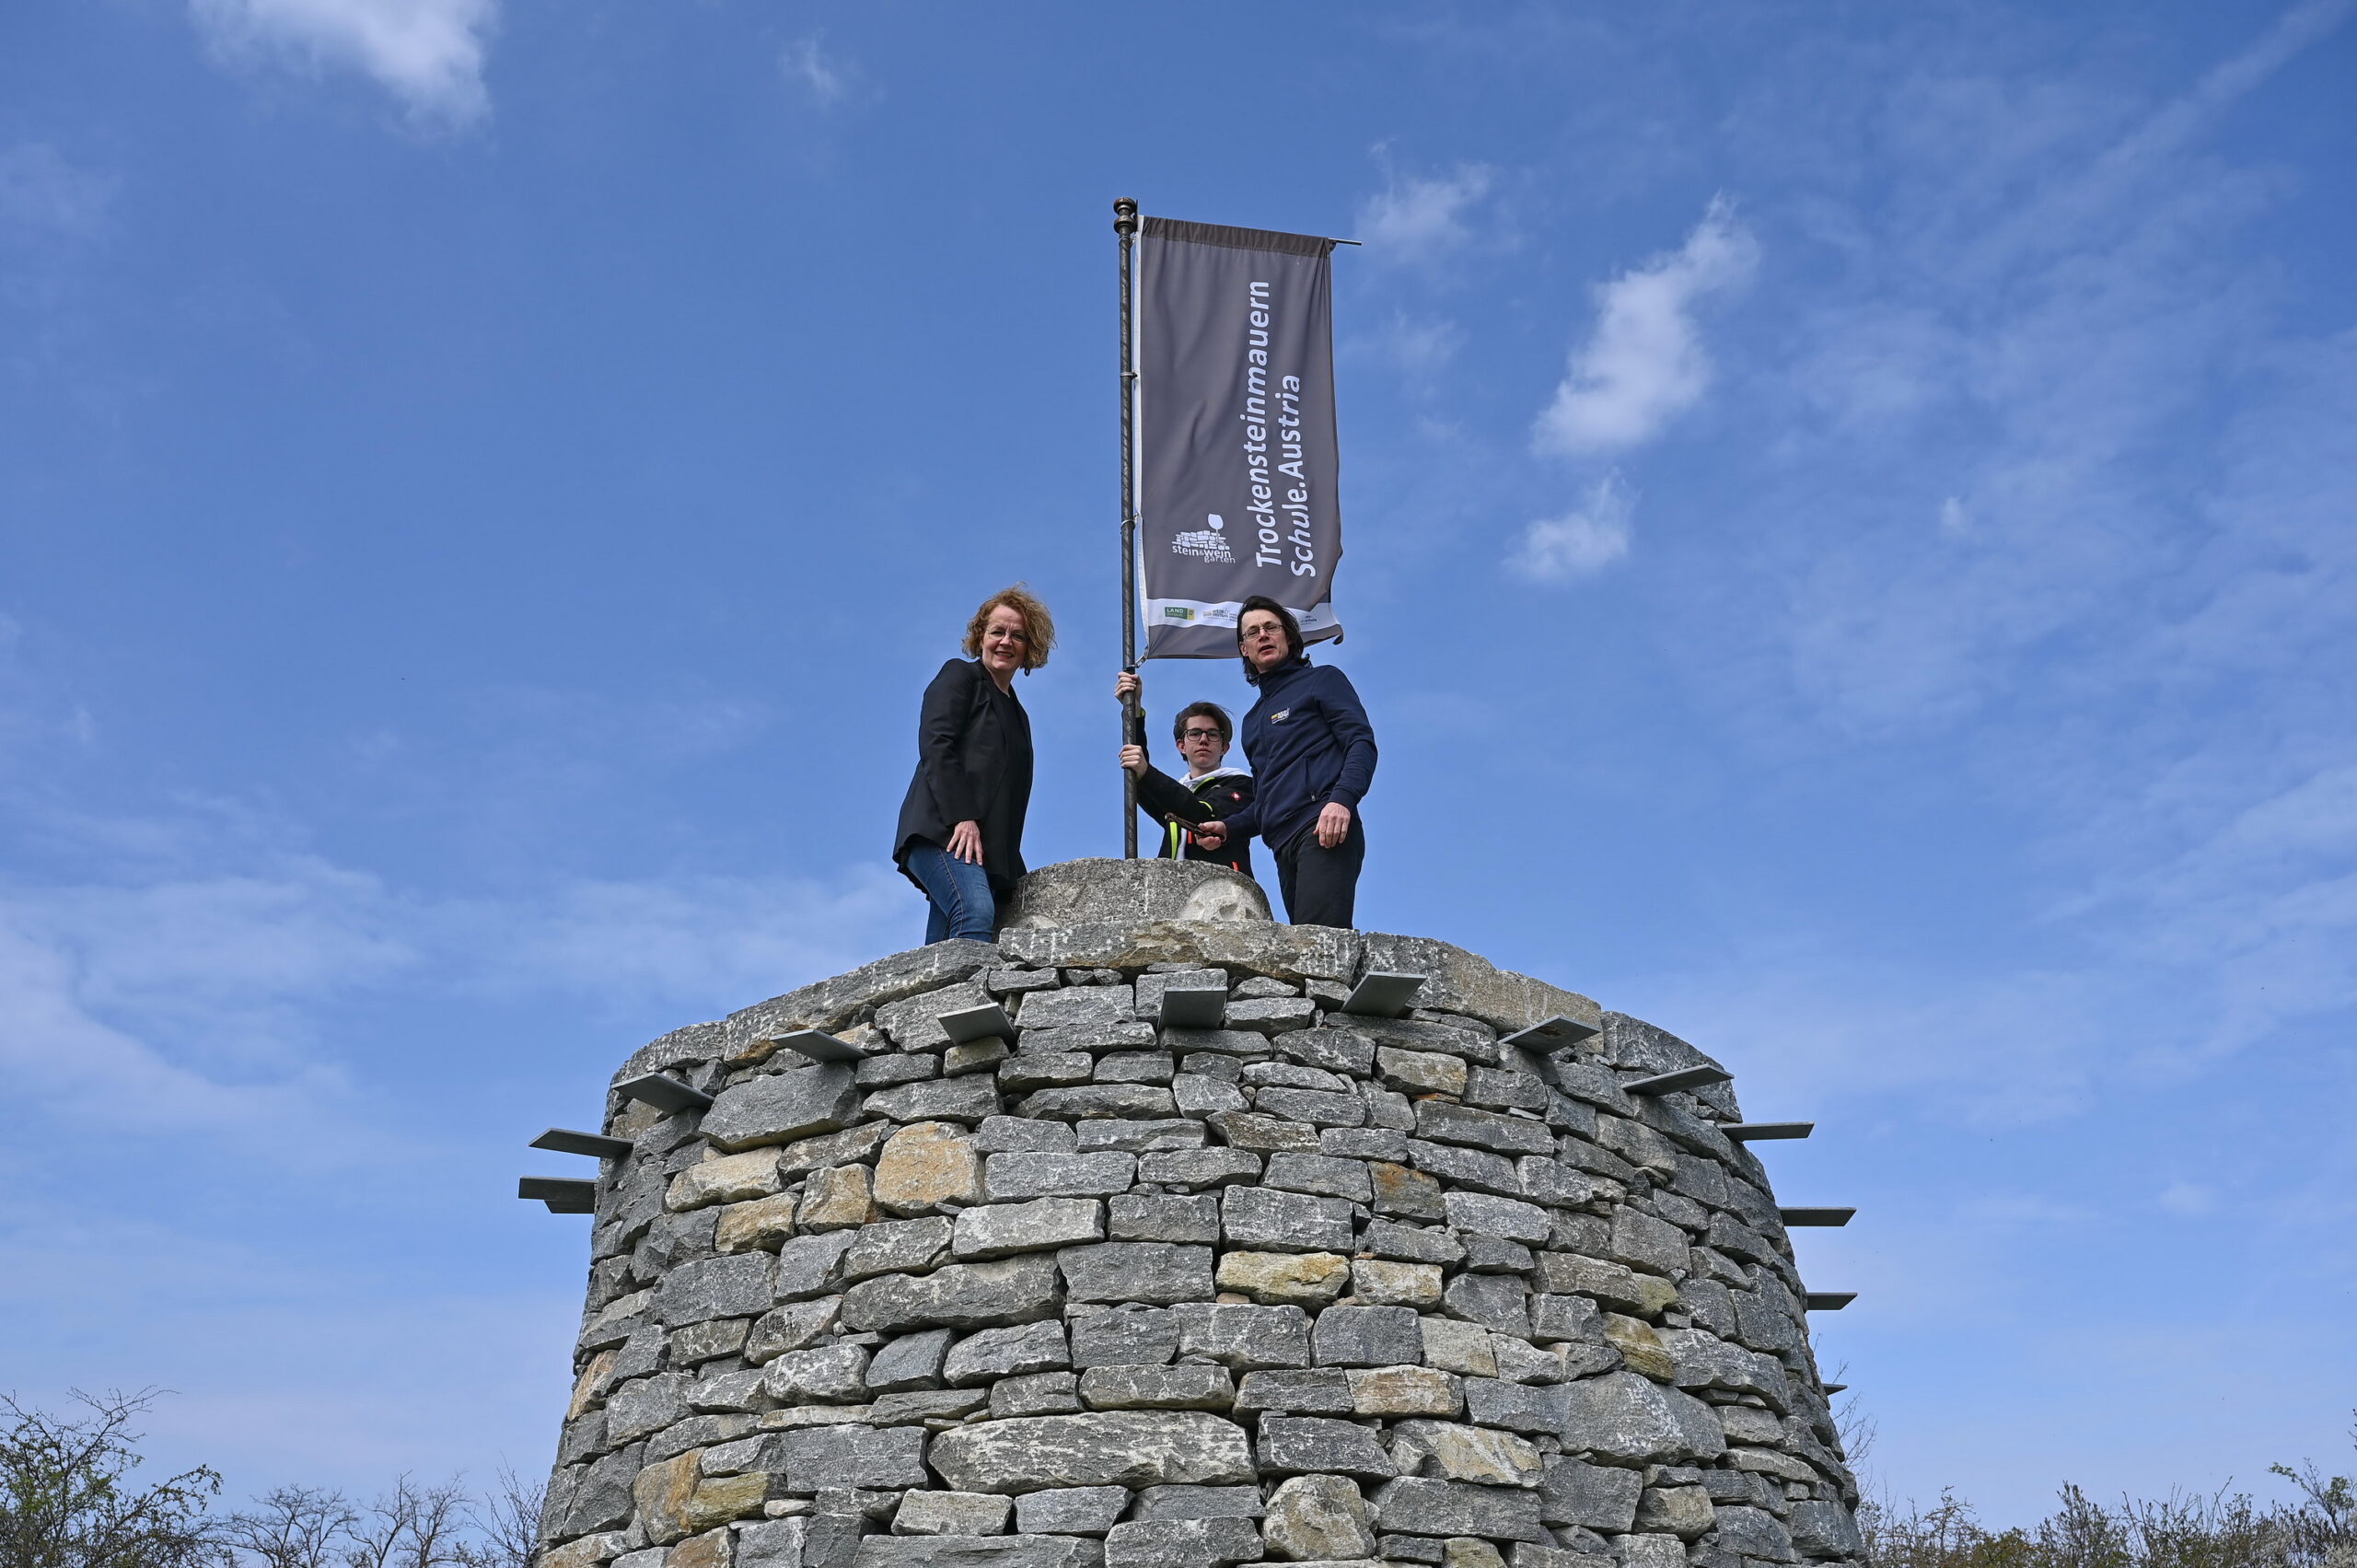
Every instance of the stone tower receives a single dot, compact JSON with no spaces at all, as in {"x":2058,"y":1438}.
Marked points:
{"x":1160,"y":1234}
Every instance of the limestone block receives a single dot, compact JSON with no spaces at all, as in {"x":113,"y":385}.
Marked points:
{"x":1634,"y":1420}
{"x":1744,"y":1424}
{"x":1158,"y":1274}
{"x":718,"y":1500}
{"x":966,"y":1100}
{"x":1326,"y":1392}
{"x":1564,"y":1273}
{"x":1419,"y":1506}
{"x":778,"y":1107}
{"x":1286,"y":1279}
{"x":1098,"y":1448}
{"x":1322,"y":1175}
{"x":1076,"y":1004}
{"x":957,"y":1296}
{"x":1651,"y":1552}
{"x":1090,"y":1039}
{"x":1453,"y":1451}
{"x":1318,"y":1518}
{"x":870,"y":1458}
{"x":1514,"y":1407}
{"x":1266,"y":1220}
{"x":643,"y":1405}
{"x":1131,"y":1337}
{"x":1825,"y":1529}
{"x":1029,"y":1070}
{"x":1157,"y":1543}
{"x":1155,"y":1136}
{"x":927,"y":1166}
{"x":774,"y":1543}
{"x":1404,"y":1390}
{"x":1008,"y":1353}
{"x":832,"y":1004}
{"x":727,"y":1393}
{"x":1380,"y":1284}
{"x":589,"y":1551}
{"x":790,"y":1327}
{"x":1477,"y":1168}
{"x":1367,"y":1336}
{"x":1643,"y":1242}
{"x":1000,"y":1230}
{"x":951,"y":1513}
{"x":1412,"y":1193}
{"x":1418,"y":1072}
{"x":763,"y":1224}
{"x":1076,"y":892}
{"x":1480,"y":1213}
{"x":1289,"y":952}
{"x":1189,"y":1387}
{"x":1318,"y":1107}
{"x":1035,"y":1393}
{"x":1640,"y":1348}
{"x":1070,"y":1510}
{"x":730,"y":1179}
{"x":1681,"y":1511}
{"x":1086,"y":1102}
{"x":1702,"y":1360}
{"x":1452,"y":1345}
{"x":896,"y":1247}
{"x":910,"y":1362}
{"x":914,"y":1022}
{"x":1596,"y":1497}
{"x":1018,"y":1134}
{"x":851,"y":1145}
{"x":1139,"y":1216}
{"x":1498,"y":1302}
{"x":1318,"y":1445}
{"x":717,"y":1287}
{"x":835,"y":1374}
{"x":1135,"y":1067}
{"x":1242,"y":1338}
{"x":1272,"y":1015}
{"x":1192,"y":1168}
{"x":1196,"y":1094}
{"x":1012,"y":1178}
{"x":1441,"y":1123}
{"x":1199,"y":1503}
{"x":661,"y":1493}
{"x":1459,"y":981}
{"x":1753,"y":1532}
{"x":836,"y":1197}
{"x":714,"y":1549}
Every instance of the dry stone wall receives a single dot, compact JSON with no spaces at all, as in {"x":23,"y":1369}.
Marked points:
{"x":1098,"y":1294}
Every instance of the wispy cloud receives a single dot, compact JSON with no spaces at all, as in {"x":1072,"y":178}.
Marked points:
{"x":1422,"y":220}
{"x":825,"y":79}
{"x":1582,"y":542}
{"x":1645,"y":364}
{"x":427,"y":53}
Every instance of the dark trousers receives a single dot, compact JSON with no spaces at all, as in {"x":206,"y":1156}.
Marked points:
{"x":1321,"y":885}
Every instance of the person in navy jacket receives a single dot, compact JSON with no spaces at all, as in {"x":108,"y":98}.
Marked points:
{"x":1312,"y":752}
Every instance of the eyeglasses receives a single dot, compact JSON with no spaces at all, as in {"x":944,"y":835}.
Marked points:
{"x":1201,"y":735}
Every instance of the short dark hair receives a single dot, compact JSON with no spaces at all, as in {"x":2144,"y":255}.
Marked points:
{"x":1284,"y":618}
{"x":1211,"y":710}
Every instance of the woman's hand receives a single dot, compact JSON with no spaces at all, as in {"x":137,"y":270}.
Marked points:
{"x":966,"y":841}
{"x":1210,"y":835}
{"x":1333,"y":824}
{"x":1134,"y":759}
{"x":1126,"y":686}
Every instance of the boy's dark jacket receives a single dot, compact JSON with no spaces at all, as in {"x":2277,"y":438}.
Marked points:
{"x":1173,"y":803}
{"x":1309,"y":743}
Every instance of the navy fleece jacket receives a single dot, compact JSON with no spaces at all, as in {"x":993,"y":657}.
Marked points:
{"x":1309,"y":742}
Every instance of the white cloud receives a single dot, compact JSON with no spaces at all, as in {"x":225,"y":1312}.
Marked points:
{"x":1422,"y":220}
{"x":428,"y":54}
{"x":1644,"y":363}
{"x":827,"y":79}
{"x":1581,"y":542}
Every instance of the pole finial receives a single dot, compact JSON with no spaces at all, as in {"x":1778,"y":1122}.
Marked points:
{"x":1125,"y":214}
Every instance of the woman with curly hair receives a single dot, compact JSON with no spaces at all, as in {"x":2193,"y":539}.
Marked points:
{"x":960,"y":838}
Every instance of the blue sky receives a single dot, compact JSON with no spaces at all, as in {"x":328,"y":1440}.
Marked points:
{"x":1849,"y":515}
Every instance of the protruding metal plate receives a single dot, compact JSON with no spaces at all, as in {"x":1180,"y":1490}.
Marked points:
{"x":562,"y":1196}
{"x":664,"y":1093}
{"x":565,"y":1141}
{"x":1381,"y":995}
{"x":978,"y":1023}
{"x":1684,"y":1078}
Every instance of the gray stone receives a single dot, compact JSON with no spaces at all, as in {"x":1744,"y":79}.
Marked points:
{"x":1450,"y":1450}
{"x":1641,"y":1241}
{"x":1146,"y":1218}
{"x":1564,"y":1273}
{"x":894,"y":1246}
{"x":1326,"y":1392}
{"x":1316,"y":1107}
{"x":912,"y":1360}
{"x":1088,"y":1101}
{"x":1504,"y":1218}
{"x":1158,"y":1274}
{"x":1285,"y":1222}
{"x":811,"y":1265}
{"x":1076,"y":1005}
{"x":1364,"y":1144}
{"x":1139,"y":1137}
{"x":1241,"y":1044}
{"x":1008,"y":1353}
{"x":1000,"y":1230}
{"x":913,"y":1023}
{"x":1825,"y":1529}
{"x":1337,"y":1051}
{"x":1242,"y":1338}
{"x":1705,"y":1361}
{"x":1098,"y":1448}
{"x":1319,"y":1518}
{"x":1441,"y":1123}
{"x":1754,"y":1532}
{"x":1322,"y":1175}
{"x":1035,"y":1393}
{"x":1633,"y":1419}
{"x":1030,"y":1070}
{"x":1417,"y":1505}
{"x":959,"y":1295}
{"x":601,"y":1499}
{"x":1490,"y":1255}
{"x":1070,"y":1510}
{"x":1549,"y":1181}
{"x":966,"y":1100}
{"x":1262,"y":1134}
{"x":1681,"y":1511}
{"x":1199,"y":1503}
{"x":1477,"y":1168}
{"x":1411,"y":1244}
{"x":1596,"y":1497}
{"x":1367,"y":1336}
{"x":886,"y":1458}
{"x":1018,"y":1134}
{"x":644,"y":1405}
{"x":1497,"y":1089}
{"x":1199,"y":1167}
{"x":884,"y":1072}
{"x":771,"y":1543}
{"x":1189,"y":1387}
{"x":777,"y":1108}
{"x":1135,"y":1067}
{"x":1014,"y":982}
{"x":737,"y":1286}
{"x":1494,"y":1301}
{"x":1459,"y":981}
{"x":1013,"y":1177}
{"x":1315,"y":1445}
{"x":1514,"y":1407}
{"x":1158,"y":1543}
{"x":1272,"y":1015}
{"x":1651,"y":1552}
{"x":951,"y":1513}
{"x":853,"y":1145}
{"x":975,"y":1551}
{"x":1147,"y":1337}
{"x":1200,"y":1093}
{"x":1564,"y":1317}
{"x":835,"y":1374}
{"x":1150,"y":987}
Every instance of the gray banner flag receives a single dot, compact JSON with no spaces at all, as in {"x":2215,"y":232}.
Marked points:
{"x":1236,"y":457}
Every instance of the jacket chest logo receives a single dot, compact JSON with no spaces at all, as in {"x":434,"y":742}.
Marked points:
{"x":1280,"y":715}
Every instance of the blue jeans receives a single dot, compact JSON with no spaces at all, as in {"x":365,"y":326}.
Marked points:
{"x":962,"y":905}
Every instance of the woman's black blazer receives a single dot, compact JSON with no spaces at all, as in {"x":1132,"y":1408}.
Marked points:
{"x":974,"y":764}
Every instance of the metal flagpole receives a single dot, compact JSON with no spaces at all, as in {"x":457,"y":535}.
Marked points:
{"x":1125,"y":224}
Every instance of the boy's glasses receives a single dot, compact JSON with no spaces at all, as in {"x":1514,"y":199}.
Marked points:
{"x":1192,"y":735}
